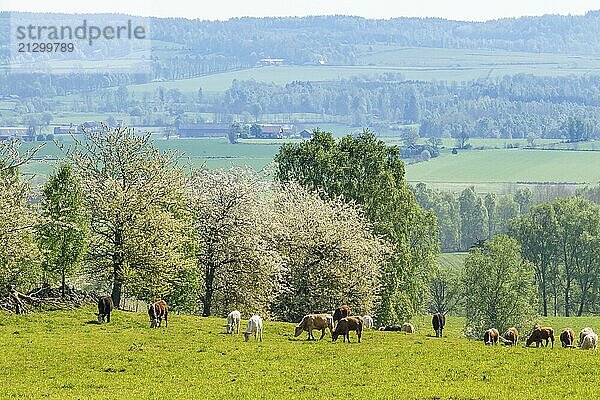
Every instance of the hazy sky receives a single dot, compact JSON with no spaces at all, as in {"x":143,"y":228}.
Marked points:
{"x":223,"y":9}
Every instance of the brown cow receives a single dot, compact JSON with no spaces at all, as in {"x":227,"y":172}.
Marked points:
{"x":540,"y":334}
{"x":491,"y":337}
{"x":341,"y":312}
{"x":156,"y":312}
{"x":105,"y":306}
{"x":345,"y":325}
{"x":567,"y":338}
{"x":511,"y":337}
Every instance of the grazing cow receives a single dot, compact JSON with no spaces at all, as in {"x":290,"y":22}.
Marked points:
{"x":368,"y":322}
{"x":392,"y":328}
{"x":438,"y":322}
{"x":511,"y":337}
{"x":584,"y":332}
{"x":255,"y":325}
{"x":590,"y":342}
{"x":234,"y":320}
{"x":540,"y":334}
{"x":157,"y":312}
{"x":105,"y":306}
{"x":408,"y":327}
{"x":340,"y":312}
{"x":347,"y":324}
{"x":567,"y":338}
{"x":315,"y":321}
{"x":491,"y":337}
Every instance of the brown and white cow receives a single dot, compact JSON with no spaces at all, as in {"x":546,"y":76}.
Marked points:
{"x":539,"y":333}
{"x":438,"y":321}
{"x":567,"y":338}
{"x":157,"y":312}
{"x":105,"y":306}
{"x":345,"y":325}
{"x":491,"y":337}
{"x":511,"y":337}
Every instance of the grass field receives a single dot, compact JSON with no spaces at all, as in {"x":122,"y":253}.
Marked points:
{"x":452,"y":260}
{"x":66,"y":355}
{"x":497,"y":167}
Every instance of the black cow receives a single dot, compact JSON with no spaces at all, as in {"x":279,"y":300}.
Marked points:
{"x":438,"y":322}
{"x":105,"y":306}
{"x":393,"y":328}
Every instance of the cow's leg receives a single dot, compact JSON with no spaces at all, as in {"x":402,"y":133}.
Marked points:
{"x":359,"y":334}
{"x":108,"y":317}
{"x":322,"y":333}
{"x":166,"y":320}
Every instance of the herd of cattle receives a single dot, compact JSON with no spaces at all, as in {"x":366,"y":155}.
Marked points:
{"x":588,"y":340}
{"x":342,"y":322}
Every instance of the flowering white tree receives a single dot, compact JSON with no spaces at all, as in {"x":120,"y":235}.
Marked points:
{"x":330,"y":255}
{"x":230,"y":225}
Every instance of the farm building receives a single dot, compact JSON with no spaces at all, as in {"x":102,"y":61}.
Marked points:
{"x":67,"y":130}
{"x":204,"y":130}
{"x":13,"y":132}
{"x":306,"y":134}
{"x":270,"y":131}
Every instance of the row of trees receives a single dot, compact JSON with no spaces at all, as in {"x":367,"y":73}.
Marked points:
{"x":119,"y":215}
{"x":467,"y":218}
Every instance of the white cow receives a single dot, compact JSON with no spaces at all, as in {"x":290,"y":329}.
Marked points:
{"x":584,"y":332}
{"x":590,"y":342}
{"x":368,"y":320}
{"x":255,"y":325}
{"x":234,"y":319}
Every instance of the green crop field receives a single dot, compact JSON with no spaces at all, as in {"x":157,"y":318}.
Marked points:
{"x":66,"y":355}
{"x":413,"y":63}
{"x":497,"y":167}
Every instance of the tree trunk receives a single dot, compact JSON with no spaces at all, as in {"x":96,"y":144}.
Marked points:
{"x":62,"y":289}
{"x":567,"y":290}
{"x":116,"y":292}
{"x":208,"y":293}
{"x":544,"y":298}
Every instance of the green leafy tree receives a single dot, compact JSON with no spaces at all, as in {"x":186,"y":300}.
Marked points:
{"x":473,"y":217}
{"x":498,"y":286}
{"x":537,"y":234}
{"x":490,"y":207}
{"x":524,"y":198}
{"x":63,"y":230}
{"x":364,"y":170}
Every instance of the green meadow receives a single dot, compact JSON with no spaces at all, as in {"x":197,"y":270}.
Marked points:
{"x":66,"y":355}
{"x":508,"y":166}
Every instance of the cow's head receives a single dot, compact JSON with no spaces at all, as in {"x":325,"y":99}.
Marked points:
{"x":100,"y":317}
{"x":152,"y":322}
{"x":298,"y":331}
{"x":247,"y":336}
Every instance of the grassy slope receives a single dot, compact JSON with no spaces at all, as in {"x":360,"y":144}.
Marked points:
{"x":61,"y":355}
